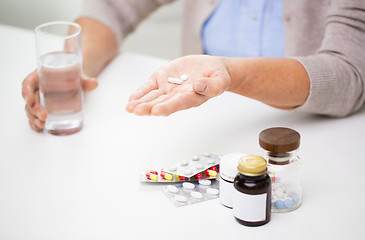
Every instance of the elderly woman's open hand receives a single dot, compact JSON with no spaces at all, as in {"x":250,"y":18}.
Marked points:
{"x":207,"y":78}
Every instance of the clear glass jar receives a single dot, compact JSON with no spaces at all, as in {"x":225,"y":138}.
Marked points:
{"x":280,"y":146}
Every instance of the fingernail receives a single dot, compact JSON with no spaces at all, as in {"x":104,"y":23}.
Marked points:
{"x":26,"y":98}
{"x":129,"y":108}
{"x":200,"y":86}
{"x":37,"y":123}
{"x":39,"y":115}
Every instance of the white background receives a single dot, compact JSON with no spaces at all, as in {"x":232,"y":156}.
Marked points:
{"x":158,"y":35}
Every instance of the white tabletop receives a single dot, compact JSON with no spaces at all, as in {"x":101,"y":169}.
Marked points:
{"x":86,"y":186}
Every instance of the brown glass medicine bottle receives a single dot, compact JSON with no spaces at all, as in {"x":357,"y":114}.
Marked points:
{"x":252,"y":195}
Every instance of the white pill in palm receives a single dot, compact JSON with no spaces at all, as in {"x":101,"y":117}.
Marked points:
{"x":205,"y":182}
{"x":188,"y":185}
{"x":181,"y":199}
{"x":175,"y":80}
{"x":196,"y":195}
{"x":184,"y":77}
{"x":172,"y":189}
{"x":212,"y":191}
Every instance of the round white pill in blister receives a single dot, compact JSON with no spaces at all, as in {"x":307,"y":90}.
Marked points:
{"x":184,"y":163}
{"x":188,"y":185}
{"x":206,"y":154}
{"x":181,"y":199}
{"x":212,"y":191}
{"x":196,"y":195}
{"x":173,"y":169}
{"x":195,"y":158}
{"x":205,"y":182}
{"x":210,"y":161}
{"x":188,"y":171}
{"x":199,"y":166}
{"x":172,"y":189}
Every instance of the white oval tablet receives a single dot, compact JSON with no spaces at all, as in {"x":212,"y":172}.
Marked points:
{"x":205,"y":182}
{"x":181,"y":199}
{"x":184,"y":163}
{"x":212,"y":191}
{"x":172,"y":189}
{"x":184,"y":77}
{"x":175,"y":80}
{"x":196,"y":195}
{"x":188,"y":185}
{"x":195,"y":158}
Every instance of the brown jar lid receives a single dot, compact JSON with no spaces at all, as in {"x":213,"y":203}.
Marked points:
{"x":279,"y":139}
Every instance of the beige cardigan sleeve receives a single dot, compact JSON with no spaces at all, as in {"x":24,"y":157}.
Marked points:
{"x":337,"y":69}
{"x":122,"y":16}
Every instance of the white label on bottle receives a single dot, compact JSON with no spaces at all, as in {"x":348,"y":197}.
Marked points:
{"x":226,"y":191}
{"x":250,"y":208}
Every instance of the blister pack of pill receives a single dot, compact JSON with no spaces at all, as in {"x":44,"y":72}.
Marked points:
{"x":194,"y":165}
{"x":165,"y":177}
{"x":187,"y":193}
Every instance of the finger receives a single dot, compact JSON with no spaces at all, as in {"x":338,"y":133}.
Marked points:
{"x":37,"y":109}
{"x":146,"y":98}
{"x":89,"y":83}
{"x":145,"y":108}
{"x":178,"y":102}
{"x":144,"y":89}
{"x":210,"y":87}
{"x":29,"y":86}
{"x":34,"y":122}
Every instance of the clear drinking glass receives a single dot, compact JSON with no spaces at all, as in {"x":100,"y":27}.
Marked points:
{"x":58,"y":48}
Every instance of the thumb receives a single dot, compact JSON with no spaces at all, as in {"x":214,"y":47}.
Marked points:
{"x":210,"y":87}
{"x":89,"y":83}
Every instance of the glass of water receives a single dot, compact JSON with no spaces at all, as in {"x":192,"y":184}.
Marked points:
{"x":58,"y":48}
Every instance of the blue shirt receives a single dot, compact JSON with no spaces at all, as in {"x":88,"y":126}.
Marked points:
{"x":245,"y":28}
